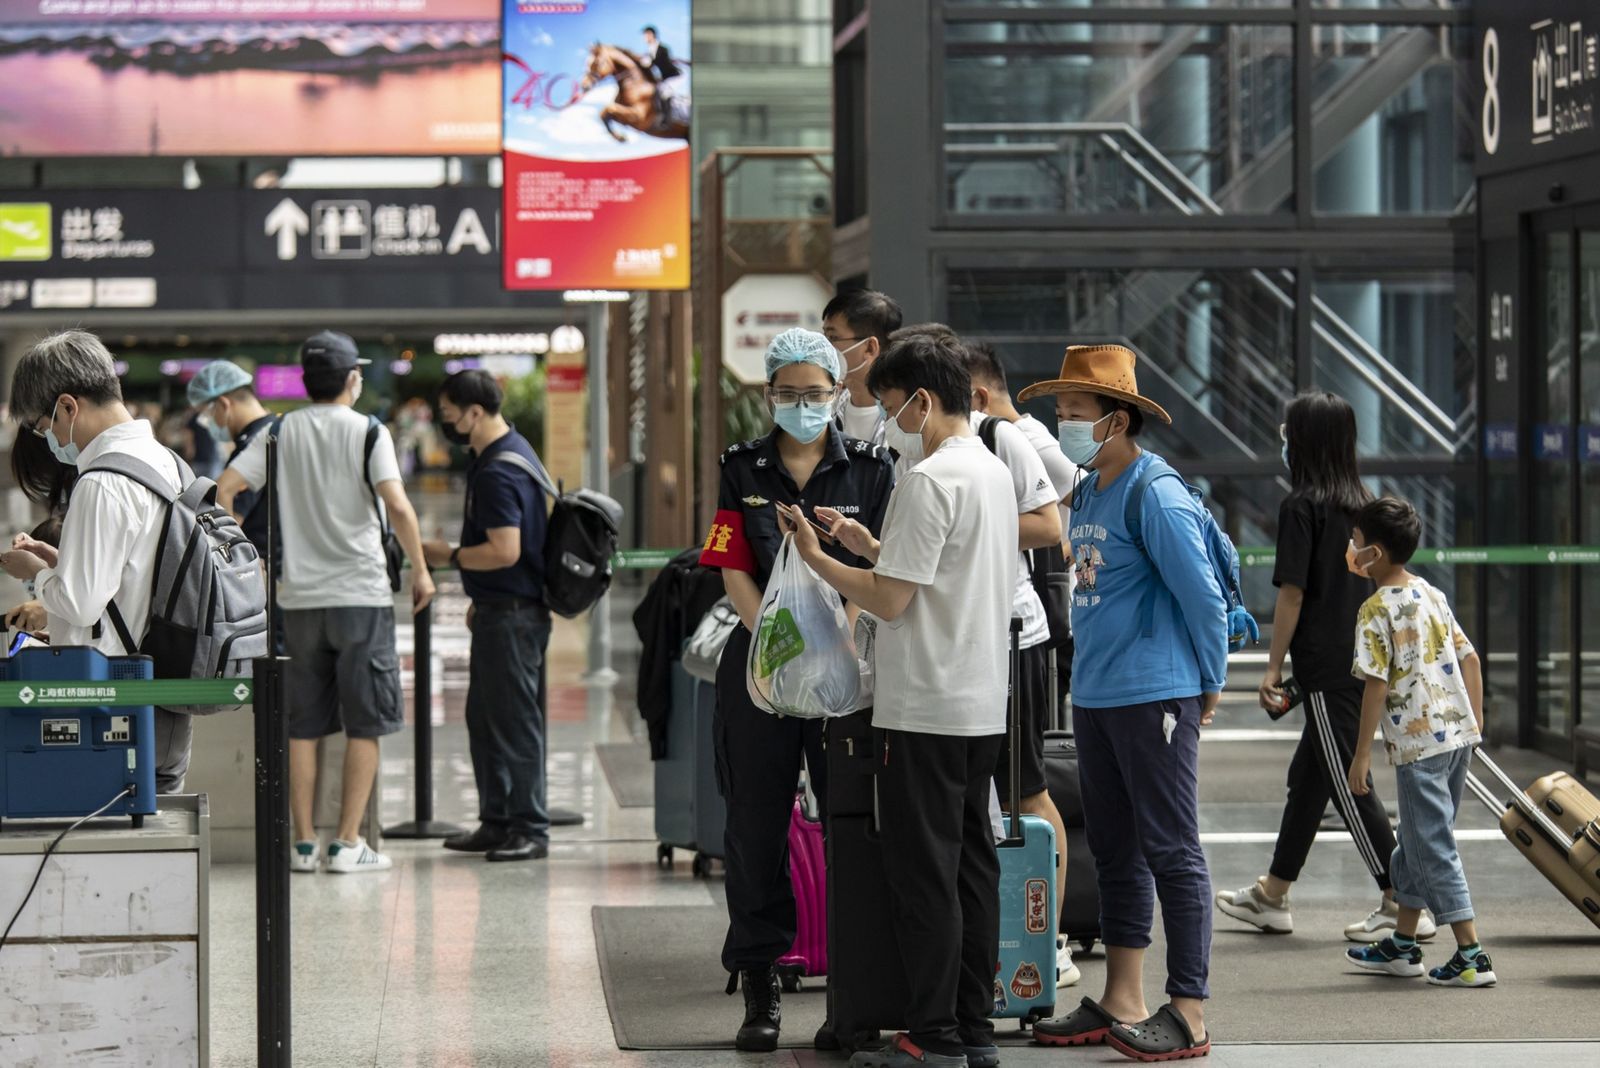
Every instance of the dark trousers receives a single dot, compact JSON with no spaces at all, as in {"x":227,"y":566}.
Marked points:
{"x":758,"y":768}
{"x":1141,"y":812}
{"x":174,"y":737}
{"x":944,"y":882}
{"x":506,"y":718}
{"x":1320,"y":770}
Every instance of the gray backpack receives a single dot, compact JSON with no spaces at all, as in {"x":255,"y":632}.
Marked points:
{"x":208,"y":600}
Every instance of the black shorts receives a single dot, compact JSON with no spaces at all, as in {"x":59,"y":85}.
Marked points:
{"x":343,"y":674}
{"x":1037,"y":691}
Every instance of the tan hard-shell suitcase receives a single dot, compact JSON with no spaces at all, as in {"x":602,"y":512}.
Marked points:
{"x":1556,"y":825}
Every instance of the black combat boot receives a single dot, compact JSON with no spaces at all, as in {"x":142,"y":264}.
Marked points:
{"x":763,"y":1012}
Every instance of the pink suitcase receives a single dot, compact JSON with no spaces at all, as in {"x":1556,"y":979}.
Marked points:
{"x":808,"y":874}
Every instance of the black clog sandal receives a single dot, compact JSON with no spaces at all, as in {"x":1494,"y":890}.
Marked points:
{"x":1086,"y":1025}
{"x":1163,"y":1037}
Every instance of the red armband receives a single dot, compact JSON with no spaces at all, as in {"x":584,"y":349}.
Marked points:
{"x":726,"y":546}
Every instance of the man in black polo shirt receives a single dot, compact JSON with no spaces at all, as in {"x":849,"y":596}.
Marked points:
{"x":501,"y":557}
{"x":223,"y":393}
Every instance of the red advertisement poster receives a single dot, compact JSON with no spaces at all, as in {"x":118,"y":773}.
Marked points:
{"x":596,"y":144}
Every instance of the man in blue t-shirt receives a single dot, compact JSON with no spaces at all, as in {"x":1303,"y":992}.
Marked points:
{"x":501,"y":558}
{"x":1152,"y":654}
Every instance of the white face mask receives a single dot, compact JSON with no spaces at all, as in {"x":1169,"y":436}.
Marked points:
{"x":355,"y":390}
{"x":848,"y":371}
{"x":909,"y":445}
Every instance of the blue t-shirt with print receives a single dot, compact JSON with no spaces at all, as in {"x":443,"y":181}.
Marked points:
{"x":1186,"y":652}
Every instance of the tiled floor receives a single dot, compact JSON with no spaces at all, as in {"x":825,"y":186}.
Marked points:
{"x":449,"y":961}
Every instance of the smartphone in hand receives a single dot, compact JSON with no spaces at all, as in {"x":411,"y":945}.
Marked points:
{"x":1293,"y":696}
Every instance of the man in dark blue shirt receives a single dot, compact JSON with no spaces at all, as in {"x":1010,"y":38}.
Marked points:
{"x":501,"y":558}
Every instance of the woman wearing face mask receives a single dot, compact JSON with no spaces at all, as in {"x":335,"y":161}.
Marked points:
{"x":805,"y":461}
{"x":1320,"y":590}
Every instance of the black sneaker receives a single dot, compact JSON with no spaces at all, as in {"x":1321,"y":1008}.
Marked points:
{"x":1388,"y":958}
{"x":1459,"y":971}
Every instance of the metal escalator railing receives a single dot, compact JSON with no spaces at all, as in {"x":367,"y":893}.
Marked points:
{"x":1168,"y":182}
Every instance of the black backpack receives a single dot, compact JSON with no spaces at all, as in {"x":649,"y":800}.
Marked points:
{"x":579,"y":540}
{"x":1047,"y":569}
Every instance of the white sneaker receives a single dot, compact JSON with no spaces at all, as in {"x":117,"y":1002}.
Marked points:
{"x":347,"y":857}
{"x":1067,"y":973}
{"x":303,"y":857}
{"x":1251,"y":906}
{"x":1382,"y":922}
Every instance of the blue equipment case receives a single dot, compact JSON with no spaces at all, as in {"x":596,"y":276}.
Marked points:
{"x":63,"y":762}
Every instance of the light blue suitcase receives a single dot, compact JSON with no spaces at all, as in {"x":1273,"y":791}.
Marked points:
{"x":1025,"y":978}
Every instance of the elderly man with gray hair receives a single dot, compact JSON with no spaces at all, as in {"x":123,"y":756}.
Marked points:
{"x":65,"y":390}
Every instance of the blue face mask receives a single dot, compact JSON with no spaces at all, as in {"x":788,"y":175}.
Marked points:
{"x":801,"y":421}
{"x":219,"y":433}
{"x":68,"y":453}
{"x":1286,"y":457}
{"x":1077,"y":440}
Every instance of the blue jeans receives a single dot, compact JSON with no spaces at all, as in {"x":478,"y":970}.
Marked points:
{"x":1426,"y":867}
{"x":506,"y":720}
{"x":1141,"y":814}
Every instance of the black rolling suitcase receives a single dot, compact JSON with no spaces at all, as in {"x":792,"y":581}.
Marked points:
{"x":866,"y":982}
{"x":1080,"y":898}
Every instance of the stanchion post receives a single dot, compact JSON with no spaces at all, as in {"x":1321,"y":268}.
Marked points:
{"x":272,"y":866}
{"x":423,"y":825}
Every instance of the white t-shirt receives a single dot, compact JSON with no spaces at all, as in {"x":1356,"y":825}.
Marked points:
{"x":332,"y":540}
{"x":1033,"y":490}
{"x":108,"y":545}
{"x":1063,"y":472}
{"x":864,"y":423}
{"x":951,"y":528}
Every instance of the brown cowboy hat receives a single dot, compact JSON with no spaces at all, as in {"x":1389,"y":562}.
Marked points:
{"x":1103,"y":369}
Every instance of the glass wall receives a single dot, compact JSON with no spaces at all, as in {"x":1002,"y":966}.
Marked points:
{"x":1157,"y":119}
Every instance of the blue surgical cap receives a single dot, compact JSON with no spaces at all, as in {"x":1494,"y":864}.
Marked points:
{"x":217,"y":379}
{"x":802,"y":346}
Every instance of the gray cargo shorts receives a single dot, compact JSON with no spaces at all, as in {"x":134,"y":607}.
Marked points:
{"x":343,"y":672}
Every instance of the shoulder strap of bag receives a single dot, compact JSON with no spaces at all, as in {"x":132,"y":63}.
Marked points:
{"x":536,"y":471}
{"x":988,"y":430}
{"x":1132,"y":516}
{"x":143,"y":474}
{"x":373,"y":427}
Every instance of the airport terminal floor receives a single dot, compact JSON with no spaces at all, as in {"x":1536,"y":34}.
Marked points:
{"x":449,"y":961}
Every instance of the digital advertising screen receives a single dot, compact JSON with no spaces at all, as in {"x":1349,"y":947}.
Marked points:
{"x":249,"y":77}
{"x":597,"y":112}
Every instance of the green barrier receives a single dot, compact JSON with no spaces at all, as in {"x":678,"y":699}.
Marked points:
{"x":1259,"y":556}
{"x":126,"y":693}
{"x":1255,"y":556}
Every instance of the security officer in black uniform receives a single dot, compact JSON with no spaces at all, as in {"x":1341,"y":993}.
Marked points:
{"x":805,"y":461}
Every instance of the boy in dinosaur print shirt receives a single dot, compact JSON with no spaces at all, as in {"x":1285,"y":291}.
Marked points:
{"x":1425,"y":687}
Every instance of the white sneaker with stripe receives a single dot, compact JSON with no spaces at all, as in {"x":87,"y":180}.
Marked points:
{"x":345,"y":858}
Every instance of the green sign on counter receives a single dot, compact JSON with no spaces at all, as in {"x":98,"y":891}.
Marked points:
{"x":125,"y":693}
{"x":1547,"y":555}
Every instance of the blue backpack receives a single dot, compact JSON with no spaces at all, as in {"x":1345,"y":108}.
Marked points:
{"x":1219,"y":550}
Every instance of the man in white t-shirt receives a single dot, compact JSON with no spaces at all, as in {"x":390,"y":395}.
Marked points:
{"x":65,"y":389}
{"x":858,"y":323}
{"x":942,"y":585}
{"x":334,"y":588}
{"x":1052,"y":476}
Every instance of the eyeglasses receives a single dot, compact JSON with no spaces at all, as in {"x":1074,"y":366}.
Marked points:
{"x":811,"y":398}
{"x":33,"y":427}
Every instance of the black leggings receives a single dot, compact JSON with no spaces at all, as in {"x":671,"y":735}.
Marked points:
{"x":1320,"y":770}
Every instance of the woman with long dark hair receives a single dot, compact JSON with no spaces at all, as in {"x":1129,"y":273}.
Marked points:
{"x":1319,"y":594}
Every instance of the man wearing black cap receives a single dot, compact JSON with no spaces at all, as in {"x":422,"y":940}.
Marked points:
{"x":333,"y":468}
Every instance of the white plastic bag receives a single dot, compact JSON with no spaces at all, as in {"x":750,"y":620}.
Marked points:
{"x":802,"y":659}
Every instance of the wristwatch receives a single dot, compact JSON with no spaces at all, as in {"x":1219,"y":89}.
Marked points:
{"x":455,"y":558}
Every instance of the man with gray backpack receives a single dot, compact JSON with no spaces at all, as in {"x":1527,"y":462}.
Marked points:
{"x":336,"y":492}
{"x":148,"y":563}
